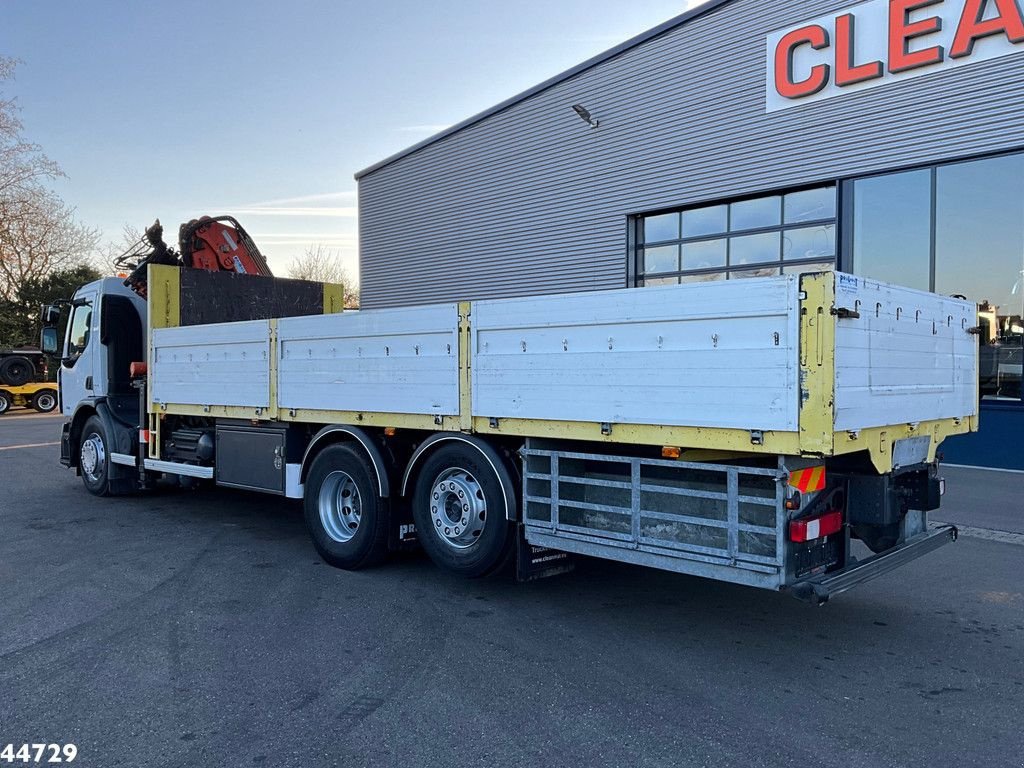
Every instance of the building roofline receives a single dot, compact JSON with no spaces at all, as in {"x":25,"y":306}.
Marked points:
{"x":611,"y":53}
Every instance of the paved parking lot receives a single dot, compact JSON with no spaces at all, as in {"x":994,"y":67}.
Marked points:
{"x":201,"y":629}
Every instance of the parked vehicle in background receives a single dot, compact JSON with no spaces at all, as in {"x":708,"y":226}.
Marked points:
{"x":42,"y":396}
{"x":23,"y":374}
{"x":21,"y":366}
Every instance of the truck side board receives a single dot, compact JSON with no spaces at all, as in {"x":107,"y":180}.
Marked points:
{"x":770,"y":366}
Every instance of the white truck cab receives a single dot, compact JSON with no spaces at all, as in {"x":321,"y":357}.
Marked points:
{"x":106,"y":333}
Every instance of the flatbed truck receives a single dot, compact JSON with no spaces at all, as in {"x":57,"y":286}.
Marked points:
{"x":40,"y":395}
{"x":780,"y":433}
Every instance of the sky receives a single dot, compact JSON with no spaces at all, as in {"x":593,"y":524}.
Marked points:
{"x":265,"y":110}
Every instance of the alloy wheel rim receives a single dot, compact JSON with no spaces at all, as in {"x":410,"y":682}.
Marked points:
{"x":93,"y":456}
{"x":340,"y":506}
{"x":458,"y":508}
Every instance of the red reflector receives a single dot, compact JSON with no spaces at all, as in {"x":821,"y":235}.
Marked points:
{"x":815,"y":527}
{"x":137,"y":369}
{"x":143,"y":435}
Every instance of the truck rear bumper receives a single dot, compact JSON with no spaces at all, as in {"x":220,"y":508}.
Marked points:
{"x":819,"y":589}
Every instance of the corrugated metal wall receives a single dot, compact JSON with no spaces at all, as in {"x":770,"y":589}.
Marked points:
{"x":532,"y":201}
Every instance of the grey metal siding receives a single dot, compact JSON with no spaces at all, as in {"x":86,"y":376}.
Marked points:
{"x":531,"y":201}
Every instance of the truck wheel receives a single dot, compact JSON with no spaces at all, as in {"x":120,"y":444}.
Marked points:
{"x":459,"y":509}
{"x":45,"y":400}
{"x":94,"y":457}
{"x":5,"y":403}
{"x":345,"y":514}
{"x":16,"y":371}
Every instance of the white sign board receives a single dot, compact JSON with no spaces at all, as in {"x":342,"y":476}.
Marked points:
{"x":885,"y":41}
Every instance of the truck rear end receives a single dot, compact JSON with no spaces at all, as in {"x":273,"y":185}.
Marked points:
{"x":885,"y":375}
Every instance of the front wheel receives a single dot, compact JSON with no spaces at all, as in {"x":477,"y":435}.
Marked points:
{"x":6,"y":401}
{"x":345,"y":514}
{"x":94,"y":457}
{"x":44,"y":400}
{"x":459,"y":508}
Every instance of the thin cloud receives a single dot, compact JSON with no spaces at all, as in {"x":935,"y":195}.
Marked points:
{"x":343,"y":212}
{"x":425,"y":128}
{"x":348,"y":194}
{"x":312,"y":235}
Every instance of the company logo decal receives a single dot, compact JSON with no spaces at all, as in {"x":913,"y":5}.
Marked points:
{"x":885,"y":41}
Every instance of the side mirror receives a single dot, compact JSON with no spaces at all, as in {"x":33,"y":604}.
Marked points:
{"x":48,"y":342}
{"x":51,"y":314}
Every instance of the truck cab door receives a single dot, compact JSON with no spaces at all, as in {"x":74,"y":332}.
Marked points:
{"x":79,"y":362}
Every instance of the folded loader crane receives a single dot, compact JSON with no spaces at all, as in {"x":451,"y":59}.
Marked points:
{"x":780,"y":433}
{"x":216,"y":244}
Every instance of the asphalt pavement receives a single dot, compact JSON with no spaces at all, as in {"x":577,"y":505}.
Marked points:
{"x":201,"y":629}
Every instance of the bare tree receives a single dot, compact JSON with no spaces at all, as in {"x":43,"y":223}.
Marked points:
{"x":323,"y":265}
{"x":38,"y":231}
{"x":114,"y":249}
{"x":22,"y":164}
{"x":39,"y":235}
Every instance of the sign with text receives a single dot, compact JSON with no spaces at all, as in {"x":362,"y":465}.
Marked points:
{"x":885,"y":41}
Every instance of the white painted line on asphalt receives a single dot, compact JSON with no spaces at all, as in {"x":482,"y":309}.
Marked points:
{"x":36,"y":416}
{"x":987,"y":469}
{"x":1004,"y":537}
{"x":27,"y":445}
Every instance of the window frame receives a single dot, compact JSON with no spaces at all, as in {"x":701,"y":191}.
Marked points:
{"x":637,"y":246}
{"x":86,"y":308}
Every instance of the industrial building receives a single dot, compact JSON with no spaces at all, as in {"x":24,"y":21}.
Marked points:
{"x":738,"y":140}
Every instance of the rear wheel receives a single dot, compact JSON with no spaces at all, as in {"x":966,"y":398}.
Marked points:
{"x":16,"y":371}
{"x":345,"y":514}
{"x":459,"y":509}
{"x":45,"y":400}
{"x":5,"y":403}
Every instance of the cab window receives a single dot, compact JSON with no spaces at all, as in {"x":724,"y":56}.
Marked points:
{"x":79,"y":332}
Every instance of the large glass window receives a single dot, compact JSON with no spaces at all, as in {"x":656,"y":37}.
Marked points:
{"x":979,"y":253}
{"x":956,"y":229}
{"x":892,"y":228}
{"x":749,"y":238}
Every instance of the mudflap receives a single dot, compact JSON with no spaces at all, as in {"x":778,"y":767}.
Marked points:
{"x":533,"y":562}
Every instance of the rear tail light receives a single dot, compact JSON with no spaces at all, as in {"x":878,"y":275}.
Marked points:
{"x":812,"y":528}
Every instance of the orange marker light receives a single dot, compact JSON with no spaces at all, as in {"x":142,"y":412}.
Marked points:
{"x":671,"y":452}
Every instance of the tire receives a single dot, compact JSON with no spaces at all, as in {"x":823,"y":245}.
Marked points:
{"x":16,"y":371}
{"x":45,"y":400}
{"x":345,"y":514}
{"x":5,"y":403}
{"x":94,"y":457}
{"x":459,"y":508}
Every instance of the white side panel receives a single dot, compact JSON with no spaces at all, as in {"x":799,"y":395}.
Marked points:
{"x":908,"y":358}
{"x":223,"y":364}
{"x":709,"y":355}
{"x":390,"y":361}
